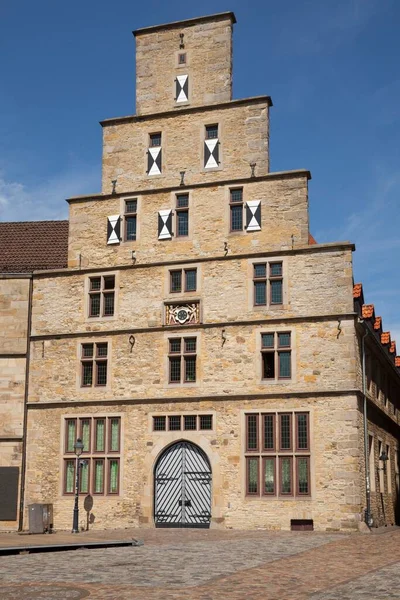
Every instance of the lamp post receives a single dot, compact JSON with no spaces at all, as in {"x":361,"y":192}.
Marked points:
{"x":78,"y":449}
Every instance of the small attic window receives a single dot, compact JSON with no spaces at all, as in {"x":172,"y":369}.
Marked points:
{"x":182,"y":58}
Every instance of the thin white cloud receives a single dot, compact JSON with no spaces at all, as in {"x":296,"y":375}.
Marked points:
{"x":46,"y":201}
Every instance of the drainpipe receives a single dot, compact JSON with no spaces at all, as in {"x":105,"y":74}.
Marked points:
{"x":368,"y":516}
{"x":25,"y":422}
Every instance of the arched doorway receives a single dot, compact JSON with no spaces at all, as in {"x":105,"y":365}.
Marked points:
{"x":182,"y":487}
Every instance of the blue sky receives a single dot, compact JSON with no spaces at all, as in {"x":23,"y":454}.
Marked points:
{"x":331,"y":67}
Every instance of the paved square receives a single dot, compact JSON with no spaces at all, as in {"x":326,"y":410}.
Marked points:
{"x":208,"y":565}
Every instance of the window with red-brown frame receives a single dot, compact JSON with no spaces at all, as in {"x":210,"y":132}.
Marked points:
{"x":99,"y":471}
{"x":182,"y":360}
{"x":94,"y":358}
{"x":277,"y":454}
{"x":276,"y":355}
{"x":101,"y":296}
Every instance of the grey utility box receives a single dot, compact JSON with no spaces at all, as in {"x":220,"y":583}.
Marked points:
{"x":40,"y":518}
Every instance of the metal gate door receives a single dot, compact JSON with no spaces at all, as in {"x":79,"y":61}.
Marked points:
{"x":182,"y":484}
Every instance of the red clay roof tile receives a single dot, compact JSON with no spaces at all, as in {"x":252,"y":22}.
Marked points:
{"x":392,"y":348}
{"x":385,"y":337}
{"x":367,"y":311}
{"x":33,"y":245}
{"x":311,"y":240}
{"x":357,"y":290}
{"x":397,"y":361}
{"x":378,"y":323}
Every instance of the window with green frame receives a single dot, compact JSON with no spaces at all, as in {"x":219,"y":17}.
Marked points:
{"x":99,"y":464}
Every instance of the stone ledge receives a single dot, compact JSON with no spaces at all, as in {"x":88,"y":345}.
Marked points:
{"x":187,"y":110}
{"x":195,"y":399}
{"x":186,"y":22}
{"x":186,"y":328}
{"x":145,"y":192}
{"x":315,"y":248}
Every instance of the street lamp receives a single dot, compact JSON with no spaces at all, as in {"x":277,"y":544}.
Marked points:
{"x":384,"y":458}
{"x":78,"y":449}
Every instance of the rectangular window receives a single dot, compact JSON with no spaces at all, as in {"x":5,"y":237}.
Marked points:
{"x":252,"y":463}
{"x":236,"y":209}
{"x":190,"y":422}
{"x":71,"y":436}
{"x":130,"y":219}
{"x":284,"y":466}
{"x":206,"y":422}
{"x":85,"y":434}
{"x":94,"y":364}
{"x":303,"y":475}
{"x":187,"y":422}
{"x":182,"y":215}
{"x":113,"y":476}
{"x":286,"y":475}
{"x":69,"y":478}
{"x":371,"y":463}
{"x":285,"y":429}
{"x":84,"y":470}
{"x":182,"y":58}
{"x":268,"y":476}
{"x":174,"y":423}
{"x":389,"y":470}
{"x":302,"y":435}
{"x":269,"y":432}
{"x":98,"y":476}
{"x":276,"y":356}
{"x":182,"y":360}
{"x":183,"y":277}
{"x":159,"y":423}
{"x":101,"y":437}
{"x":155,"y":140}
{"x":268,"y":283}
{"x":101,"y":296}
{"x":211,"y":132}
{"x":114,"y":434}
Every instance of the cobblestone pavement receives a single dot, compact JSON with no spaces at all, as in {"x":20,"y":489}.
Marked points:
{"x":213,"y":565}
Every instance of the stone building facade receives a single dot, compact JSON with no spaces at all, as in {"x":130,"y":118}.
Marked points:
{"x":205,"y":349}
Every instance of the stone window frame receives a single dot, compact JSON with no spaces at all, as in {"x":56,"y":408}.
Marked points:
{"x":181,"y":209}
{"x":276,"y":453}
{"x":185,"y":333}
{"x":285,"y":284}
{"x":181,"y":430}
{"x":183,"y":296}
{"x":123,"y":201}
{"x":381,"y":475}
{"x":371,"y":458}
{"x":92,"y":455}
{"x":203,"y":124}
{"x":147,"y":133}
{"x":389,"y":469}
{"x":278,"y":329}
{"x":87,"y":290}
{"x":184,"y":65}
{"x":93,"y":389}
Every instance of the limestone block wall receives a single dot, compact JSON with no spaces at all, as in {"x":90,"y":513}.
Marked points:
{"x":320,"y":361}
{"x":284,"y":213}
{"x":12,"y":388}
{"x":313,"y":283}
{"x":385,"y":490}
{"x":208,"y":62}
{"x":14,"y":295}
{"x":335,"y":477}
{"x":243,"y":132}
